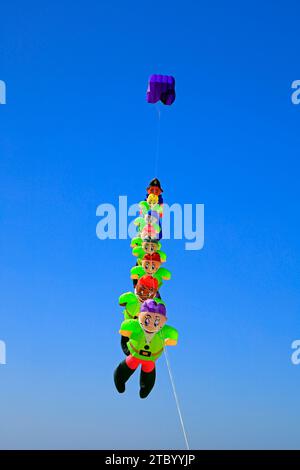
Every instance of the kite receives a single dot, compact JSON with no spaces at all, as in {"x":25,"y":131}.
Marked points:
{"x":161,"y":88}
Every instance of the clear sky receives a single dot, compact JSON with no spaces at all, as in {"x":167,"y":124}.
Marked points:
{"x":77,"y":132}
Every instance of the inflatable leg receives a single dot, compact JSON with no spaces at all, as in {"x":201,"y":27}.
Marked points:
{"x":121,"y":375}
{"x":147,"y":381}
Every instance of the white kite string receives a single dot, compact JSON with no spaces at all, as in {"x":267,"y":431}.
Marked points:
{"x":176,"y":399}
{"x":157,"y":142}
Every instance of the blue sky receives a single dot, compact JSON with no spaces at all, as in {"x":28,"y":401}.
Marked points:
{"x":76,"y":132}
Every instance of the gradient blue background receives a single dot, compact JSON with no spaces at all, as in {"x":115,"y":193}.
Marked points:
{"x":77,"y":132}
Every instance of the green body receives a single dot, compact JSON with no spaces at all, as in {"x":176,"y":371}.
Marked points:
{"x":136,"y":241}
{"x":141,"y":224}
{"x":131,"y":303}
{"x":138,"y":340}
{"x":145,"y":207}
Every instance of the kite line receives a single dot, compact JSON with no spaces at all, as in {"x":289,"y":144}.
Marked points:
{"x":157,"y":152}
{"x":176,"y":399}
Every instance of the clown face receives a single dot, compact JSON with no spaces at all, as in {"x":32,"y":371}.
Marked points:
{"x":149,"y":247}
{"x":150,"y":219}
{"x":151,"y":267}
{"x":149,"y":232}
{"x":152,"y":199}
{"x":144,"y":292}
{"x":151,"y":322}
{"x":154,"y":190}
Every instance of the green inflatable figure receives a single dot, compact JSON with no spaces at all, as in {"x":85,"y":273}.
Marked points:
{"x":148,"y":337}
{"x":146,"y":288}
{"x":151,"y":265}
{"x":150,"y":218}
{"x":148,"y":246}
{"x":145,"y":207}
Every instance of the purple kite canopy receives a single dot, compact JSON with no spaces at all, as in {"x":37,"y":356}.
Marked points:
{"x":161,"y":87}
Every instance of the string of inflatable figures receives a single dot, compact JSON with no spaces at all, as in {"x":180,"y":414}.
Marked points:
{"x":144,"y":332}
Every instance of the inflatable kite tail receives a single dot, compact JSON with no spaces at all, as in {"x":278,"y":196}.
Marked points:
{"x":121,"y":375}
{"x":124,"y":341}
{"x":147,"y":381}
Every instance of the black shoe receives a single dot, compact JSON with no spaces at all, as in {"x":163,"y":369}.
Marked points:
{"x":121,"y":375}
{"x":124,"y":341}
{"x":147,"y":381}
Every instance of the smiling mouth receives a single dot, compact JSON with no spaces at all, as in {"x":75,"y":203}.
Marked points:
{"x":149,"y":331}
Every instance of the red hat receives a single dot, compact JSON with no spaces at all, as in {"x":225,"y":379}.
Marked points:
{"x":148,"y":281}
{"x":154,"y":257}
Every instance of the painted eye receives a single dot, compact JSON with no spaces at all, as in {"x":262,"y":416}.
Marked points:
{"x":147,"y":321}
{"x":156,"y":322}
{"x":147,"y":265}
{"x":153,"y":266}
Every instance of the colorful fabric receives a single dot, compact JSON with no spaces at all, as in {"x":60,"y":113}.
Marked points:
{"x":138,"y":345}
{"x":134,"y":362}
{"x":132,"y":305}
